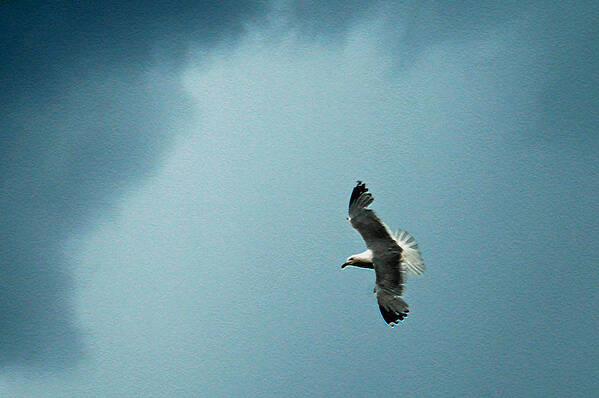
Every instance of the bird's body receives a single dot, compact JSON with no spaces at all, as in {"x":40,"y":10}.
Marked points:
{"x":392,"y":256}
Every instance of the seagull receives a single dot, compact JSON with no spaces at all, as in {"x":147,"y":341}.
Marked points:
{"x":392,"y":255}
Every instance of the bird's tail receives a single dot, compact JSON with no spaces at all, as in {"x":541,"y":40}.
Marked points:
{"x":411,"y":258}
{"x":393,"y":307}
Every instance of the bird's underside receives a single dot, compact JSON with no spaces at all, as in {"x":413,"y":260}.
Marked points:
{"x":392,"y":256}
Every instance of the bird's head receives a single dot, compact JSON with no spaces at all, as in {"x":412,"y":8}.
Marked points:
{"x":349,"y":261}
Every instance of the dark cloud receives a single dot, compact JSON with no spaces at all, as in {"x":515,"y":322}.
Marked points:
{"x":567,"y":39}
{"x":549,"y":47}
{"x":63,"y":163}
{"x":329,"y":19}
{"x":419,"y":25}
{"x":41,"y":37}
{"x":89,"y":105}
{"x":412,"y":26}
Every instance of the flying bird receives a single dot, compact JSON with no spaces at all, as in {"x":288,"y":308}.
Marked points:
{"x":392,"y":256}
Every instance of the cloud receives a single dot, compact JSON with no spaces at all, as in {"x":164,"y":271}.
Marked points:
{"x":67,"y":159}
{"x":547,"y":49}
{"x":327,"y":19}
{"x":90,"y":103}
{"x":94,"y":101}
{"x":220,"y":273}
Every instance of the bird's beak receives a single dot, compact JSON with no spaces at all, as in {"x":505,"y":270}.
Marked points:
{"x":344,"y":265}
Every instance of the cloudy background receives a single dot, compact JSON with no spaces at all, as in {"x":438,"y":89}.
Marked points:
{"x":175,"y":184}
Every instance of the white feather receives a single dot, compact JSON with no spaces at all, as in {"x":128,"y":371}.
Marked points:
{"x":411,"y":259}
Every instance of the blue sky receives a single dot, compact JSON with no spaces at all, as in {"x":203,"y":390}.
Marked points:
{"x":176,"y":185}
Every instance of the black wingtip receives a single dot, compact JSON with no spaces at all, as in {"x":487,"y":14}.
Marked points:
{"x":391,"y":317}
{"x":359,"y":189}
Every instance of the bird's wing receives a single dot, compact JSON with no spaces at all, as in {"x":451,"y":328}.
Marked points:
{"x":411,"y":259}
{"x":374,"y":232}
{"x":390,"y":279}
{"x":393,"y":308}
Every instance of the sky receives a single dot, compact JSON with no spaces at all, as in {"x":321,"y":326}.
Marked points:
{"x":175,"y":184}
